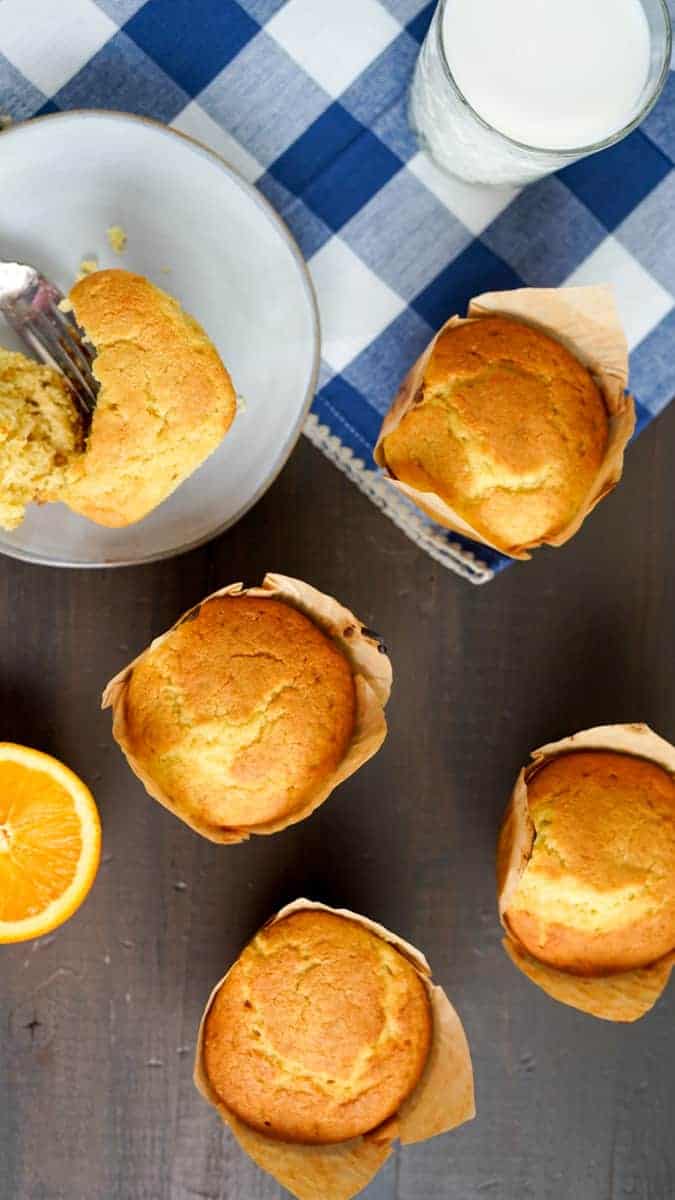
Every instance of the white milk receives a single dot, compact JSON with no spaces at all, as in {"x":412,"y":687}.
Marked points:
{"x":555,"y":74}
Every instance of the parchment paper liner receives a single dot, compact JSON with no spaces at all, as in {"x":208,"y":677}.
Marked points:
{"x":586,"y":321}
{"x":372,"y":680}
{"x":625,"y":995}
{"x":442,"y":1100}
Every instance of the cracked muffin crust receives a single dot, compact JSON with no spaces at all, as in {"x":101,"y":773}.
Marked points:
{"x":508,"y":428}
{"x":165,"y":400}
{"x":319,"y":1032}
{"x":598,"y":892}
{"x":244,"y":709}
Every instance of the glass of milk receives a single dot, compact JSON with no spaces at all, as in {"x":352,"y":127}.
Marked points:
{"x":506,"y":91}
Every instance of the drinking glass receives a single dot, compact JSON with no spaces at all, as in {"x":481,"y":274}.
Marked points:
{"x":463,"y":144}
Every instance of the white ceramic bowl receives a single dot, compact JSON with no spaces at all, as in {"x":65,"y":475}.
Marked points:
{"x":203,"y":234}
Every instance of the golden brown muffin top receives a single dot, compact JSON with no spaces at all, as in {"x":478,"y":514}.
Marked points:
{"x":598,"y":893}
{"x":509,"y":429}
{"x":242,"y":711}
{"x":165,"y":400}
{"x":41,"y":435}
{"x":320,"y":1031}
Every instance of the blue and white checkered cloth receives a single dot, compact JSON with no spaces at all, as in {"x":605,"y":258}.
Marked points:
{"x":307,"y":98}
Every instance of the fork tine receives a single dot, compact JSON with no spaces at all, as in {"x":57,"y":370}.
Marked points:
{"x":73,"y":345}
{"x":70,"y":326}
{"x":64,"y":328}
{"x":64,"y":352}
{"x":51,"y":355}
{"x":29,"y":302}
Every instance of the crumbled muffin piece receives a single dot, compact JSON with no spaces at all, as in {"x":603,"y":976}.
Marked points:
{"x":41,"y":436}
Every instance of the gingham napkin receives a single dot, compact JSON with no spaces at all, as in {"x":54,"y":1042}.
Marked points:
{"x":307,"y":98}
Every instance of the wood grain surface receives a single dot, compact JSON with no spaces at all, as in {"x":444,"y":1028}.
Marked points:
{"x":98,"y":1021}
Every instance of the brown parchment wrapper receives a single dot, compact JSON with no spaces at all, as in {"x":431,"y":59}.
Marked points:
{"x":372,"y":672}
{"x":626,"y":995}
{"x":586,"y":321}
{"x":442,"y":1100}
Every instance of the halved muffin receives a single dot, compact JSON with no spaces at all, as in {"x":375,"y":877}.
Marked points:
{"x":165,"y":400}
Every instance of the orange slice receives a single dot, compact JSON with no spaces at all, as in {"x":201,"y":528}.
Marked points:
{"x":50,"y":843}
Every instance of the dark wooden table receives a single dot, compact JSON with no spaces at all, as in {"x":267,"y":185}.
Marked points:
{"x":98,"y":1022}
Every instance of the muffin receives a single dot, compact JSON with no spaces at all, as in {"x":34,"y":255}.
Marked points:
{"x":165,"y":400}
{"x":512,"y":424}
{"x":241,"y":711}
{"x":593,"y":845}
{"x":242,"y":718}
{"x":41,"y":435}
{"x":324,"y":1043}
{"x":508,"y":428}
{"x":320,"y":1031}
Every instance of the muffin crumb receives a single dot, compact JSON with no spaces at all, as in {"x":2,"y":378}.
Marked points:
{"x":87,"y":267}
{"x":117,"y":238}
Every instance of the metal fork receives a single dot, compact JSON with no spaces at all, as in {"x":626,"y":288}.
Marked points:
{"x":30,"y":304}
